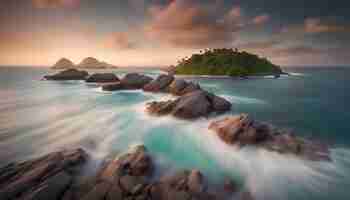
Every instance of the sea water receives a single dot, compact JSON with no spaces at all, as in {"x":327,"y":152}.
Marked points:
{"x":38,"y":117}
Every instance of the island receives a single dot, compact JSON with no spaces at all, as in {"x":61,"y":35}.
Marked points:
{"x":86,"y":63}
{"x":226,"y":62}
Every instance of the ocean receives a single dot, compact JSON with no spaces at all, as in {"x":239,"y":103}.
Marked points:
{"x":37,"y":117}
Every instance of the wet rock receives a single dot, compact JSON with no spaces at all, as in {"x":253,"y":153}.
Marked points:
{"x":38,"y":178}
{"x":99,"y":192}
{"x":190,"y":106}
{"x":69,"y":74}
{"x":129,"y":82}
{"x":243,"y":130}
{"x":102,"y":78}
{"x":195,"y":182}
{"x":181,"y":87}
{"x":160,"y":84}
{"x":135,"y":81}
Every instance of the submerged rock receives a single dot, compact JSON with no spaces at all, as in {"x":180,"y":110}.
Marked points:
{"x":102,"y":78}
{"x":192,"y":105}
{"x":129,"y":82}
{"x":160,"y":84}
{"x":69,"y":74}
{"x":243,"y":130}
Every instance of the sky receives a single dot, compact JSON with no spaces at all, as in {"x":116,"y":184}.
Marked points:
{"x":160,"y":32}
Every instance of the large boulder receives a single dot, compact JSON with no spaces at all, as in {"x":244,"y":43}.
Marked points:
{"x":181,"y":87}
{"x":69,"y":74}
{"x":190,"y":106}
{"x":242,"y":130}
{"x":160,"y":84}
{"x":131,"y":81}
{"x":135,"y":81}
{"x":102,"y":78}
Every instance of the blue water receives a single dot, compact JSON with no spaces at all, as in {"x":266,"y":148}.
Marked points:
{"x":37,"y":117}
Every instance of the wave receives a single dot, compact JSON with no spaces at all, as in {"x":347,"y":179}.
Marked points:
{"x":242,"y":100}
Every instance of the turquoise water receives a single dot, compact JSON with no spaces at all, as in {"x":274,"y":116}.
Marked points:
{"x":37,"y":117}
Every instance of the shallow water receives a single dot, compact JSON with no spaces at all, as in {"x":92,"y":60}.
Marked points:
{"x":37,"y":117}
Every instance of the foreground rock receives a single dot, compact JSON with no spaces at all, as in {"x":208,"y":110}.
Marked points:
{"x":190,"y":106}
{"x":160,"y":84}
{"x":102,"y":78}
{"x":181,"y":87}
{"x":129,"y":82}
{"x":242,"y":130}
{"x":47,"y":177}
{"x":128,"y":176}
{"x":69,"y":74}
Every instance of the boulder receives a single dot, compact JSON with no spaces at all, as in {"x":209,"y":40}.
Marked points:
{"x":69,"y":74}
{"x":242,"y":130}
{"x":181,"y":87}
{"x":160,"y":84}
{"x":135,"y":81}
{"x":130,"y":81}
{"x":195,"y":182}
{"x":190,"y":106}
{"x":102,"y":78}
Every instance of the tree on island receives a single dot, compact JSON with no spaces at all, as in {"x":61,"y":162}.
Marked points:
{"x":226,"y":61}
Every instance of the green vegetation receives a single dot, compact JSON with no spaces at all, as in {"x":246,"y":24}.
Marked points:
{"x":228,"y":62}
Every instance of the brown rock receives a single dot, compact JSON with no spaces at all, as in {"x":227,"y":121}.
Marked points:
{"x":160,"y":84}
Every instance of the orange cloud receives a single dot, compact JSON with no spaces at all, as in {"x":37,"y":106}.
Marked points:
{"x":190,"y":25}
{"x":261,"y":19}
{"x":119,"y":40}
{"x":314,"y":25}
{"x":56,"y":3}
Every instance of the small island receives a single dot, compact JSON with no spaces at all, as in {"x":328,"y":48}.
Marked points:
{"x":226,"y":62}
{"x":86,"y":63}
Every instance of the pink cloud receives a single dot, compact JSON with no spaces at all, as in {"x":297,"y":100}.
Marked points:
{"x":191,"y":25}
{"x":119,"y":41}
{"x":314,"y":25}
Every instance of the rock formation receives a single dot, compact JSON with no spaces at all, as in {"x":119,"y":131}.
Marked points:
{"x":102,"y":78}
{"x":128,"y":82}
{"x":160,"y":84}
{"x":63,"y":63}
{"x":93,"y":63}
{"x":68,"y":74}
{"x":190,"y":106}
{"x":242,"y":130}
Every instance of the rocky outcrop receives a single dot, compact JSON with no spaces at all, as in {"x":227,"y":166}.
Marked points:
{"x":93,"y":63}
{"x":160,"y":84}
{"x":129,"y":82}
{"x":190,"y":106}
{"x":69,"y":74}
{"x":129,"y":176}
{"x":181,"y":87}
{"x":47,"y":177}
{"x":63,"y":63}
{"x":242,"y":130}
{"x":102,"y":78}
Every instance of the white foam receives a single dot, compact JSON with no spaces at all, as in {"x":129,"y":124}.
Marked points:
{"x":242,"y":100}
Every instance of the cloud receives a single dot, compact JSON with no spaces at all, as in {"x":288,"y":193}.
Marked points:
{"x":261,"y":45}
{"x":189,"y":24}
{"x":314,"y":25}
{"x":119,"y":41}
{"x":298,"y":51}
{"x":261,"y":19}
{"x":56,"y":3}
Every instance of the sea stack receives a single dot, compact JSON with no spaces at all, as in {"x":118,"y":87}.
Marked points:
{"x":93,"y":63}
{"x":63,"y":63}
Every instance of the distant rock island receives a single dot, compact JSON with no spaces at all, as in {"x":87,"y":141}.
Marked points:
{"x":87,"y":63}
{"x":227,"y":62}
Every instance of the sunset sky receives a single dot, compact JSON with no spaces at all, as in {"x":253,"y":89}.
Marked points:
{"x":159,"y":32}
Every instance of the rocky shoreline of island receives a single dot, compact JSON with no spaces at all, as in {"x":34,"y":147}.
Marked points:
{"x":131,"y":175}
